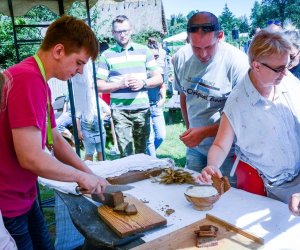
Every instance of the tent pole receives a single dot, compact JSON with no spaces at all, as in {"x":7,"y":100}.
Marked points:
{"x":96,"y":90}
{"x":14,"y":30}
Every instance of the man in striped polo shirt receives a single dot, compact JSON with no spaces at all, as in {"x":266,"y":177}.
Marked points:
{"x":123,"y":72}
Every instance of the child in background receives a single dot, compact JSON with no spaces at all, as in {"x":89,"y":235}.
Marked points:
{"x":89,"y":133}
{"x":86,"y":113}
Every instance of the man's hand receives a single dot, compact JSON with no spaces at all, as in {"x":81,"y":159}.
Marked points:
{"x":294,"y":204}
{"x":193,"y":136}
{"x":134,"y":83}
{"x":160,"y":103}
{"x":91,"y":183}
{"x":80,"y":135}
{"x":206,"y":174}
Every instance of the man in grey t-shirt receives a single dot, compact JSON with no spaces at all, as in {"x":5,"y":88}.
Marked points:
{"x":205,"y":70}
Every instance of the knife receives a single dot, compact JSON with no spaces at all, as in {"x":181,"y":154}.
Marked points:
{"x":109,"y":189}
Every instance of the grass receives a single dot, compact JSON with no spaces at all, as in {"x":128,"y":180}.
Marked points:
{"x":172,"y":147}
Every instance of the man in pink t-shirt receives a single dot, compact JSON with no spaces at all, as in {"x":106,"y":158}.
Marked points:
{"x":24,"y":113}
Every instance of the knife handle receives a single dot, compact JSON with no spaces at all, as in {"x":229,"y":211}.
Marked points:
{"x":79,"y":189}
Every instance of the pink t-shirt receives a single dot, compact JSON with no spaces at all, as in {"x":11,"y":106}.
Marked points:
{"x":26,"y":106}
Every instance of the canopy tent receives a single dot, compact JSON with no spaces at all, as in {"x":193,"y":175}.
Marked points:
{"x":21,"y":7}
{"x":181,"y":37}
{"x":144,"y":14}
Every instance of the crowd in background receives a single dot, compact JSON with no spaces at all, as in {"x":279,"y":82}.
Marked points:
{"x":225,"y":98}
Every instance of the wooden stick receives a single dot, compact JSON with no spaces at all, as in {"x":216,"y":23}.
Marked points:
{"x":235,"y":229}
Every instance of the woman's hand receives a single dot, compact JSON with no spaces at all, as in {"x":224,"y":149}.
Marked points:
{"x":206,"y":174}
{"x":294,"y":204}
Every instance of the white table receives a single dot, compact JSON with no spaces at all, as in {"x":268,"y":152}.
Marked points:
{"x":264,"y":217}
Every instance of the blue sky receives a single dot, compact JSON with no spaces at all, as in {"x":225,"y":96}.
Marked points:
{"x":237,"y":7}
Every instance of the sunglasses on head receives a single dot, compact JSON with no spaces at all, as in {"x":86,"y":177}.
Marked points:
{"x":276,"y":22}
{"x":204,"y":27}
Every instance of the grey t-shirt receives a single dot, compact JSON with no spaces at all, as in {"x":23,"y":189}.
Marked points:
{"x":207,"y":85}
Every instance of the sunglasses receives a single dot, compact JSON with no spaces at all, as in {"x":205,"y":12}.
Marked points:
{"x":276,"y":22}
{"x":279,"y":70}
{"x":193,"y":28}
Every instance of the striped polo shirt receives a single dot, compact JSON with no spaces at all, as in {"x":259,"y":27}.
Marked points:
{"x":116,"y":63}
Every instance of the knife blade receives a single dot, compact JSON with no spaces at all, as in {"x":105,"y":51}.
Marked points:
{"x":109,"y":189}
{"x":117,"y":188}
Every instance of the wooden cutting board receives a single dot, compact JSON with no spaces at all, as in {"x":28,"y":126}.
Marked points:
{"x":229,"y":237}
{"x":124,"y":225}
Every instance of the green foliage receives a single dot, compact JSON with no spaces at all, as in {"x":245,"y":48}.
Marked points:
{"x":275,"y":10}
{"x":172,"y":147}
{"x":228,"y":21}
{"x":37,"y":15}
{"x":7,"y":51}
{"x":177,"y":24}
{"x":143,"y":36}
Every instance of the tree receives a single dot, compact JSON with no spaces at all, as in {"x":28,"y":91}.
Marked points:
{"x":191,"y":13}
{"x":177,"y":24}
{"x":243,"y":24}
{"x":275,"y":10}
{"x":228,"y":22}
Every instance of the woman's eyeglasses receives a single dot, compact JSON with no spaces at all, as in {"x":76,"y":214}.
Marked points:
{"x":278,"y":71}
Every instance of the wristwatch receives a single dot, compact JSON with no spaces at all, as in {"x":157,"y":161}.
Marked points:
{"x":145,"y":84}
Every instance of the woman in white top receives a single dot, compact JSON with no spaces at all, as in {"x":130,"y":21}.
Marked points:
{"x":262,"y":117}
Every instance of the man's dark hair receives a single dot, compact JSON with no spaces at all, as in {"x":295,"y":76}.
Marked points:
{"x":73,"y":34}
{"x":212,"y":24}
{"x":119,"y":19}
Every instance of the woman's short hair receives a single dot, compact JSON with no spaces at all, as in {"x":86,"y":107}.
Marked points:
{"x":73,"y":34}
{"x":266,"y":43}
{"x":294,"y":37}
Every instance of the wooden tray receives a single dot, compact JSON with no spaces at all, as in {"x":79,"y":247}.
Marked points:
{"x":124,"y":225}
{"x":134,"y":176}
{"x":229,"y":237}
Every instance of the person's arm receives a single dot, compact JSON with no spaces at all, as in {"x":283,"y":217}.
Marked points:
{"x":153,"y":81}
{"x":193,"y":136}
{"x":104,"y":107}
{"x":107,"y":87}
{"x":78,"y":125}
{"x":218,"y":151}
{"x":103,"y":83}
{"x":184,"y":110}
{"x":294,"y":204}
{"x":67,"y":166}
{"x":65,"y":107}
{"x":162,"y":93}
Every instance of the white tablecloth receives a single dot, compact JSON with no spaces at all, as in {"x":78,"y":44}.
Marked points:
{"x":264,"y":217}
